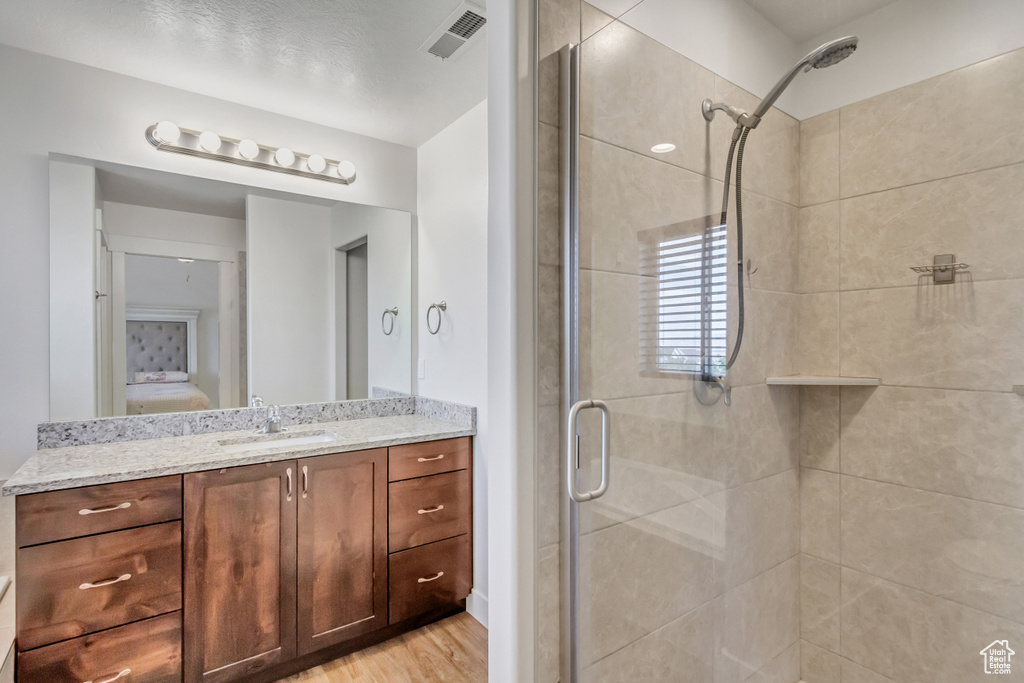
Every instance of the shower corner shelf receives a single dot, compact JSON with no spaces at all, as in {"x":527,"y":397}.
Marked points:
{"x":823,"y":381}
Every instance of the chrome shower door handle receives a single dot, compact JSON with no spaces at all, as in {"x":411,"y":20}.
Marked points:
{"x":571,"y":445}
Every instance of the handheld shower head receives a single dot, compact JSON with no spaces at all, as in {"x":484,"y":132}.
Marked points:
{"x":824,"y":56}
{"x":828,"y":54}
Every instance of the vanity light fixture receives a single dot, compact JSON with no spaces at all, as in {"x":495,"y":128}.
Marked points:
{"x":663,"y":148}
{"x":168,"y":137}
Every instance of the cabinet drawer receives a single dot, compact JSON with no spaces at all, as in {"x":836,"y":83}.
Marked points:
{"x":147,"y":651}
{"x":57,"y":515}
{"x":429,"y":577}
{"x":72,"y":588}
{"x":428,"y":509}
{"x":433,"y":457}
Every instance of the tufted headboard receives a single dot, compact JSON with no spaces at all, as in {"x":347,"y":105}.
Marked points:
{"x":157,"y":346}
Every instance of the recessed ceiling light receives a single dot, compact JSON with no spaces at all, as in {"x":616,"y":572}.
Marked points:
{"x":209,"y":141}
{"x":663,"y":148}
{"x":187,"y":260}
{"x":248,"y":149}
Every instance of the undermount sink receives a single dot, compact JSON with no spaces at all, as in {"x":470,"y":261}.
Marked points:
{"x":270,"y":441}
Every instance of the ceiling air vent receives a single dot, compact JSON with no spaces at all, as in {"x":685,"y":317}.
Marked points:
{"x":457,"y":32}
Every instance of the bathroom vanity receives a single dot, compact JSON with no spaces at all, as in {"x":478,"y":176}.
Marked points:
{"x":244,"y":559}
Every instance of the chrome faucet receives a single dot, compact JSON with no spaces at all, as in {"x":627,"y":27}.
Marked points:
{"x":256,"y":401}
{"x":273,"y":423}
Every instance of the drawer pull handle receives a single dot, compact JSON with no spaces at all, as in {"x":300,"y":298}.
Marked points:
{"x":427,"y":511}
{"x":122,"y":674}
{"x":435,"y":577}
{"x":436,"y":457}
{"x":288,"y":476}
{"x":123,"y":506}
{"x":105,"y":582}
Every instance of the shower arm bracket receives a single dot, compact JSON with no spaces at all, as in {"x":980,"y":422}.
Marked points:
{"x":742,"y":118}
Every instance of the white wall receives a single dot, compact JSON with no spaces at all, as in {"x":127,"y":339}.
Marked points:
{"x":389,"y":251}
{"x":51,"y":105}
{"x":909,"y":41}
{"x":167,"y":282}
{"x":452,"y":243}
{"x":181,"y":226}
{"x":72,"y":283}
{"x":290,"y":300}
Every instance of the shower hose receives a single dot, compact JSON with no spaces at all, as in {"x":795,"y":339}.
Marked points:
{"x":739,"y":136}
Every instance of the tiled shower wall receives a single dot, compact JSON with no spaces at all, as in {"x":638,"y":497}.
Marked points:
{"x":912,"y":493}
{"x":691,"y":567}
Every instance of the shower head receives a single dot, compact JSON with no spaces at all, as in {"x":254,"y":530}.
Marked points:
{"x":824,"y":56}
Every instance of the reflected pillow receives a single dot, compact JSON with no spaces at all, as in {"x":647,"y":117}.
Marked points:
{"x":157,"y":377}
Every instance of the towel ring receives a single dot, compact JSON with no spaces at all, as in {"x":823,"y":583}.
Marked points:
{"x":393,"y":312}
{"x":443,"y":306}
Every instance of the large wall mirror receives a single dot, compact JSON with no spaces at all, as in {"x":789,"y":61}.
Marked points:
{"x":170,"y":293}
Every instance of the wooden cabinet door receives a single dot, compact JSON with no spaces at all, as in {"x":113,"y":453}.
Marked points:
{"x":239,"y":571}
{"x":342,"y":575}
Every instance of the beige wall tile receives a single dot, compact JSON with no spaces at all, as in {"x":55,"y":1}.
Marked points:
{"x":683,"y":650}
{"x":549,"y":335}
{"x":549,"y":474}
{"x":819,"y":514}
{"x":818,"y":665}
{"x":928,"y":130}
{"x":770,"y":242}
{"x":558,"y":25}
{"x":624,"y":194}
{"x":818,"y":263}
{"x":757,"y":527}
{"x":548,"y":615}
{"x":549,"y":217}
{"x":592,"y":20}
{"x":819,"y":427}
{"x":771,"y":161}
{"x":914,"y":637}
{"x":819,"y":602}
{"x":769,"y":340}
{"x":819,"y":159}
{"x":757,"y":621}
{"x":639,"y":576}
{"x":976,"y":217}
{"x":818,"y":334}
{"x":636,"y":93}
{"x":960,"y":549}
{"x":783,"y":669}
{"x":956,"y":336}
{"x":855,"y":673}
{"x":967,"y":443}
{"x":759,"y":436}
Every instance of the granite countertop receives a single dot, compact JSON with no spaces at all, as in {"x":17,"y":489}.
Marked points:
{"x":72,"y":466}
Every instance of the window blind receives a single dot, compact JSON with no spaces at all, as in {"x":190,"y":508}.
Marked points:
{"x":683,"y":317}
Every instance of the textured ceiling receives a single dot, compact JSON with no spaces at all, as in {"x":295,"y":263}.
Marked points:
{"x":805,"y":19}
{"x":348,"y":64}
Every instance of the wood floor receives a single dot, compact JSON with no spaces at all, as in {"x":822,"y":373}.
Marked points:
{"x":454,"y":649}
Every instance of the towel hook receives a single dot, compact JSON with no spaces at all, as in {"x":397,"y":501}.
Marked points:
{"x":393,"y":313}
{"x":443,"y":306}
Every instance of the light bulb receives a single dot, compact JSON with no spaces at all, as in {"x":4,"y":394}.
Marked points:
{"x":347,"y":170}
{"x":316,"y":163}
{"x":167,"y":132}
{"x":663,"y":148}
{"x":248,"y":149}
{"x":284,"y":157}
{"x":209,"y":141}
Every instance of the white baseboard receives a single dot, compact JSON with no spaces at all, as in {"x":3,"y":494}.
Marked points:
{"x":476,"y":605}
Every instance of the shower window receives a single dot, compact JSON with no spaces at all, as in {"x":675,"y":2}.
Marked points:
{"x":683,"y":296}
